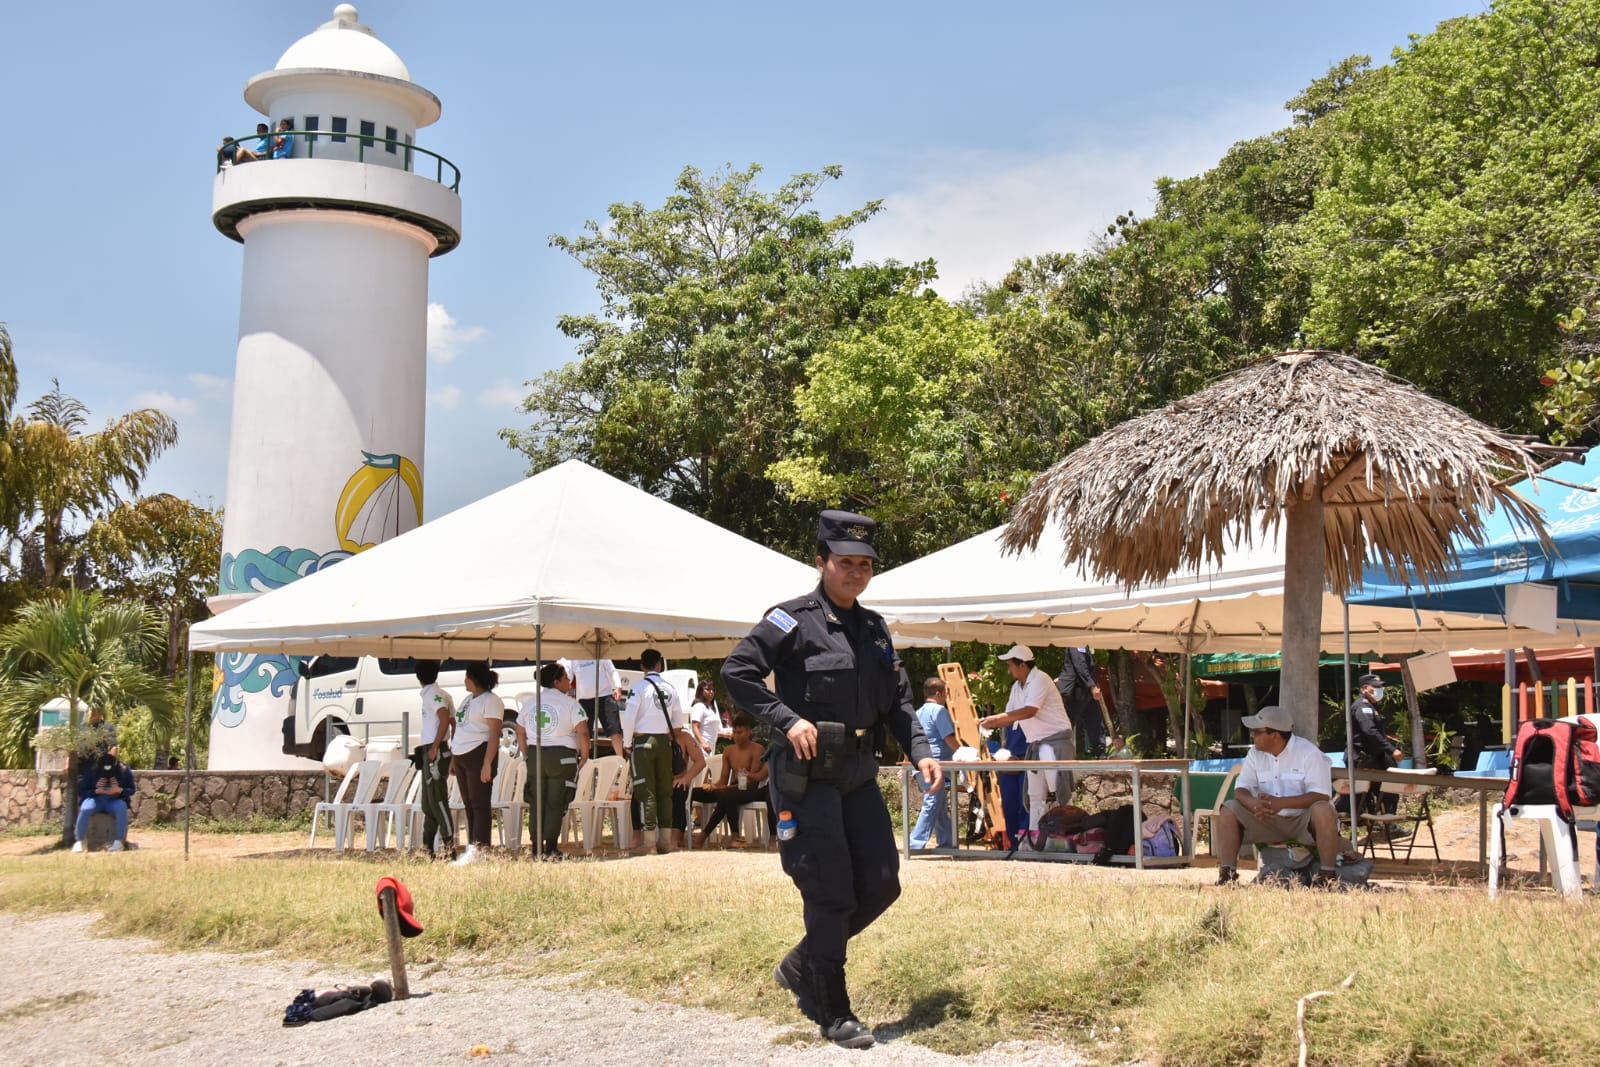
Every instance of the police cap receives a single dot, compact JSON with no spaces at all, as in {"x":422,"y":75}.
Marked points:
{"x":847,"y":534}
{"x":1370,"y":679}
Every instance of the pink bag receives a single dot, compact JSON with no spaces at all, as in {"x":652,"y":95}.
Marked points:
{"x":1090,"y":841}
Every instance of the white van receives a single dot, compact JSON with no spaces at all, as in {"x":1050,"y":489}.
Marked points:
{"x":375,"y":700}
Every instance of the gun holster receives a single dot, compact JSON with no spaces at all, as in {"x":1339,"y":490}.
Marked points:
{"x":790,"y":773}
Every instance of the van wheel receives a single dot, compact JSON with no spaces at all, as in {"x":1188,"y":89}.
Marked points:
{"x":327,"y":728}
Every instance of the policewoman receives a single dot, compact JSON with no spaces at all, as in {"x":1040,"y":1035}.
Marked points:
{"x":839,"y":683}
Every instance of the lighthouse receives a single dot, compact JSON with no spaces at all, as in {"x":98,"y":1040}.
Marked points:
{"x":329,"y":385}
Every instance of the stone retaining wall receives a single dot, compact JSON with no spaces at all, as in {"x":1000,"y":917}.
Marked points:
{"x":30,"y":798}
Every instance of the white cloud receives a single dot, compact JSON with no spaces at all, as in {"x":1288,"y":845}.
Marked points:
{"x":209,"y":383}
{"x":503,"y":395}
{"x":976,"y":213}
{"x":172,"y":405}
{"x":446,"y":338}
{"x":447,"y":397}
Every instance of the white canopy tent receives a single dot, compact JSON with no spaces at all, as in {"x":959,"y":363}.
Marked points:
{"x":570,"y":562}
{"x":972,"y":591}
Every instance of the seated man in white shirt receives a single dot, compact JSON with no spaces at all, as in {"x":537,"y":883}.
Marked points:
{"x":1284,"y":793}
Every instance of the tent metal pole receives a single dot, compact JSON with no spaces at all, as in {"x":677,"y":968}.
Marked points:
{"x":188,"y":716}
{"x":1187,"y":711}
{"x":538,"y":742}
{"x":1349,"y":728}
{"x":1188,"y":646}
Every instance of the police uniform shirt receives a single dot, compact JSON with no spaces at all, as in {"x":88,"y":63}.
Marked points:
{"x":556,"y":724}
{"x":1368,"y":730}
{"x":828,"y":665}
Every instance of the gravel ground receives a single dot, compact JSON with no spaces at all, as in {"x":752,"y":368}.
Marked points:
{"x":89,"y":1000}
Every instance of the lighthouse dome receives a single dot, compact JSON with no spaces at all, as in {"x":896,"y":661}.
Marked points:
{"x":344,"y":44}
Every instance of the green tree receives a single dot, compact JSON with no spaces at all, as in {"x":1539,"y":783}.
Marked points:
{"x":64,"y":478}
{"x":712,"y":305}
{"x":162,"y":550}
{"x":1459,"y":219}
{"x":894,"y":419}
{"x":84,"y":648}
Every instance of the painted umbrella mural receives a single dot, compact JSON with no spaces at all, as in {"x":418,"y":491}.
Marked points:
{"x":1355,"y":464}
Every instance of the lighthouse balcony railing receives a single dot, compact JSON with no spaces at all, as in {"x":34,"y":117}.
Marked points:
{"x":304,"y":146}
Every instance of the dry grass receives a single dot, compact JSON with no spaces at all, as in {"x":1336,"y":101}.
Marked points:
{"x":974,"y":953}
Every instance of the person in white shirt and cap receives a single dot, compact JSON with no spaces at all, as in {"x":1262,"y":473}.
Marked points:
{"x":1036,"y":705}
{"x":1284,"y":793}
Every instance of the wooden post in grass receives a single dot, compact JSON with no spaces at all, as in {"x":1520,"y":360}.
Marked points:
{"x":397,"y":952}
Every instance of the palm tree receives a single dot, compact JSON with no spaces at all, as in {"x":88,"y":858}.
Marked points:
{"x":83,"y":647}
{"x":57,"y":473}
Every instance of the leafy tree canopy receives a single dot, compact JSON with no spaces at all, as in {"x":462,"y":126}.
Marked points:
{"x":711,"y":307}
{"x":1458,"y":222}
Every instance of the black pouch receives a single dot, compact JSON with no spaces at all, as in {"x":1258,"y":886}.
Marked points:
{"x":828,"y":763}
{"x":790,"y":774}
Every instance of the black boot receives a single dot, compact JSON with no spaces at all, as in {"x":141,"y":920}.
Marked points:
{"x":793,"y":973}
{"x":839,"y":1024}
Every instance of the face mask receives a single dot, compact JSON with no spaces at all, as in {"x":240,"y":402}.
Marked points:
{"x":1377,"y":692}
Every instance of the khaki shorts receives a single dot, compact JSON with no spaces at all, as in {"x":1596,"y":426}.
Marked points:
{"x":1255,"y":830}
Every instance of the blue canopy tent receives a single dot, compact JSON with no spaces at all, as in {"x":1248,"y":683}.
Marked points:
{"x":1569,"y":495}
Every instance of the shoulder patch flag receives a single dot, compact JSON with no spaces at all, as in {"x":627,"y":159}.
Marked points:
{"x":781,"y":619}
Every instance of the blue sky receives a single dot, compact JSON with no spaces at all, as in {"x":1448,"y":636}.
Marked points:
{"x":990,"y":131}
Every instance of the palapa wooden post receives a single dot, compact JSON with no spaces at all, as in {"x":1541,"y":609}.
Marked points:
{"x":397,"y":952}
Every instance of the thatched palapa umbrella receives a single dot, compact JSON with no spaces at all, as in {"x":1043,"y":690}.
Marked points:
{"x":1353,"y":461}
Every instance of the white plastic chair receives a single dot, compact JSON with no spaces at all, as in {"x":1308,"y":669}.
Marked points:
{"x":753,"y":823}
{"x":612,"y":796}
{"x":364,"y":776}
{"x":1559,"y":839}
{"x":415,"y":817}
{"x":396,"y":775}
{"x":507,"y":801}
{"x":458,"y":811}
{"x":394,"y":818}
{"x":572,"y":822}
{"x":1211,"y":812}
{"x":701,"y":811}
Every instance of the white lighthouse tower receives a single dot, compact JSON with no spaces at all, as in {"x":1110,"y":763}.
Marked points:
{"x":329,"y":386}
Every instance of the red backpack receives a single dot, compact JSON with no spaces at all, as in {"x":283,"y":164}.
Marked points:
{"x":1555,"y":762}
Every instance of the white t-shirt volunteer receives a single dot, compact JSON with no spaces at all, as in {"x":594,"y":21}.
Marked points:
{"x":472,"y":721}
{"x":1301,"y":767}
{"x":1038,"y":691}
{"x":433,"y":698}
{"x":707,"y":725}
{"x":582,"y":673}
{"x":556,"y":726}
{"x":653,"y":708}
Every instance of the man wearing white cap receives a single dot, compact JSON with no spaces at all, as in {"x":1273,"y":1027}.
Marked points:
{"x":1283,"y":794}
{"x":1036,"y":705}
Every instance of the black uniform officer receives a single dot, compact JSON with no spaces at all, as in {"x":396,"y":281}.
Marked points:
{"x":1373,"y":749}
{"x":838,"y":681}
